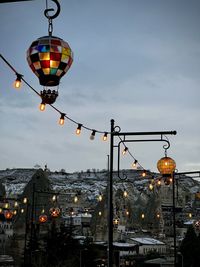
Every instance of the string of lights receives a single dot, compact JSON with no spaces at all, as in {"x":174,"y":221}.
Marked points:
{"x":18,"y":83}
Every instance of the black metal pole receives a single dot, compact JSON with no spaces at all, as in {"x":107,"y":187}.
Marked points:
{"x":110,"y":200}
{"x":174,"y":216}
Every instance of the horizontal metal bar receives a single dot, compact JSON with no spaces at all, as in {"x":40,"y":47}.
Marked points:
{"x":183,"y":173}
{"x":144,"y":133}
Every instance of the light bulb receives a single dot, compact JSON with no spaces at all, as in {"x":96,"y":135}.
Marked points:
{"x":54,"y":198}
{"x":25,"y":200}
{"x":42,"y":106}
{"x":125,"y":150}
{"x":150,"y":187}
{"x":134,"y":163}
{"x":17,"y":84}
{"x":62,"y":119}
{"x":18,"y":81}
{"x":100,"y":197}
{"x":142,"y":216}
{"x":92,"y":136}
{"x":78,"y":130}
{"x":75,"y":199}
{"x":100,"y":213}
{"x":159,"y":182}
{"x":125,"y":193}
{"x":105,"y":137}
{"x":144,"y":174}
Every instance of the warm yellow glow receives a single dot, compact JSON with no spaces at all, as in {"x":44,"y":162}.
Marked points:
{"x":127,"y":212}
{"x":100,"y":213}
{"x":105,"y":137}
{"x":54,"y":64}
{"x":124,"y":151}
{"x":100,"y":197}
{"x":134,"y":164}
{"x":150,"y":186}
{"x":14,"y":212}
{"x":143,"y":173}
{"x":125,"y":194}
{"x":25,"y":200}
{"x":22,"y":210}
{"x":190,"y":215}
{"x":75,"y":199}
{"x":42,"y":106}
{"x":17,"y":84}
{"x":16,"y":204}
{"x":54,"y":198}
{"x":44,"y":56}
{"x":159,"y":182}
{"x":78,"y":130}
{"x":42,"y":211}
{"x":6,"y":206}
{"x":1,"y":210}
{"x":62,"y":119}
{"x":115,"y":221}
{"x":142,"y":216}
{"x":166,"y":166}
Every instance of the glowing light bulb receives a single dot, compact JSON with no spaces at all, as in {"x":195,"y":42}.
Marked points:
{"x":18,"y":81}
{"x":124,"y":151}
{"x":75,"y":199}
{"x":54,"y":198}
{"x":92,"y":136}
{"x":16,"y":204}
{"x":105,"y":137}
{"x":100,"y":197}
{"x":190,"y":215}
{"x":42,"y":106}
{"x":14,"y":212}
{"x":144,"y":174}
{"x":150,"y":187}
{"x":158,"y":215}
{"x":100,"y":213}
{"x":134,"y":163}
{"x":22,"y":210}
{"x":25,"y":200}
{"x":159,"y":182}
{"x":62,"y":119}
{"x":142,"y":216}
{"x":125,"y":194}
{"x":127,"y":212}
{"x":78,"y":130}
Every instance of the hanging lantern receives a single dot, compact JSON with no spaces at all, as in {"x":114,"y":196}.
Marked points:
{"x":43,"y":218}
{"x":54,"y":212}
{"x":166,"y":166}
{"x":50,"y":58}
{"x":8,"y":214}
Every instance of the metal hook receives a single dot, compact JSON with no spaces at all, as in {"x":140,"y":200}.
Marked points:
{"x":51,"y":9}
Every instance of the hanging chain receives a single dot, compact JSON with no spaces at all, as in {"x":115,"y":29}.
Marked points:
{"x":50,"y":28}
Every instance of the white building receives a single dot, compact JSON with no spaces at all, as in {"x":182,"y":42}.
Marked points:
{"x":147,"y":245}
{"x":82,"y":219}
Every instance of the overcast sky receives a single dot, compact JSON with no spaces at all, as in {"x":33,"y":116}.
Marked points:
{"x":135,"y":61}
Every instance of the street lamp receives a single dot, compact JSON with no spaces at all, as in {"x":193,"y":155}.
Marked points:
{"x":166,"y":167}
{"x":115,"y":132}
